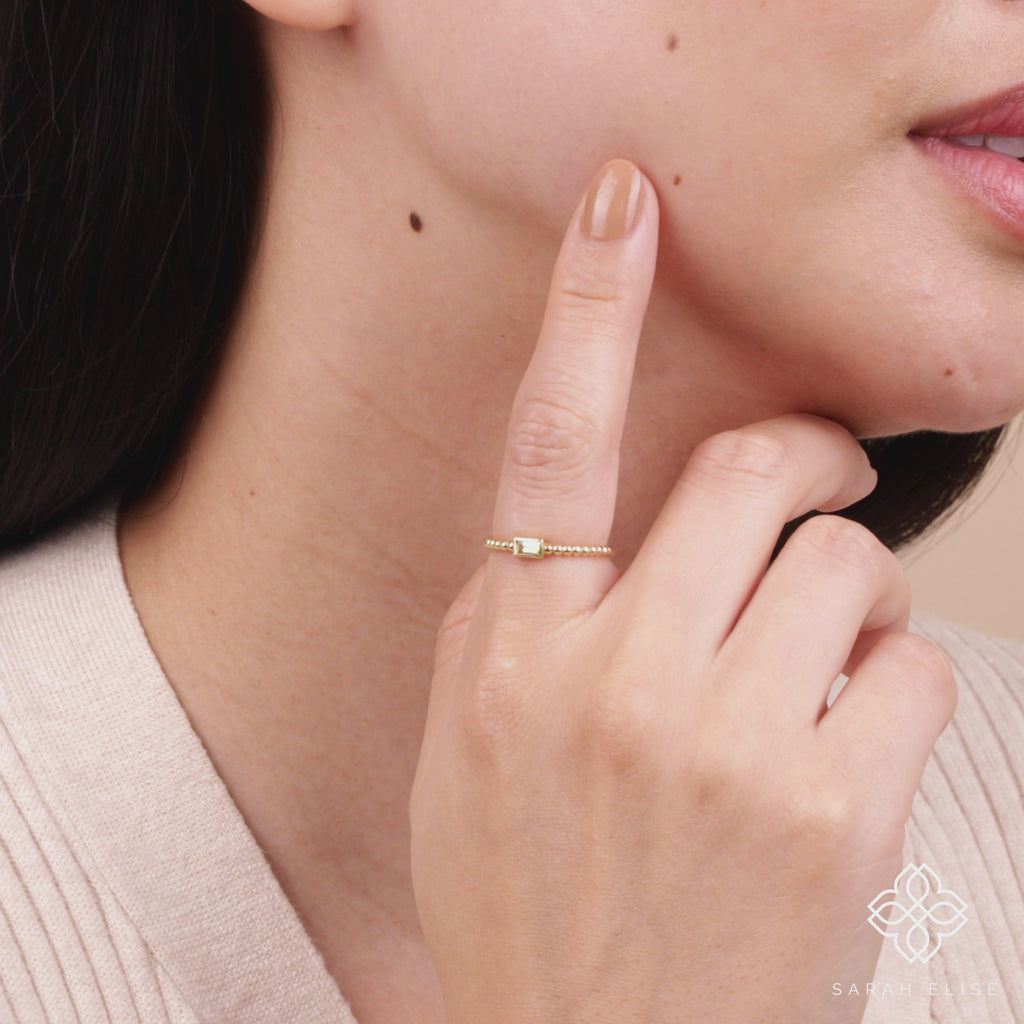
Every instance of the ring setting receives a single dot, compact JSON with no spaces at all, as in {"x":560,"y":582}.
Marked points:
{"x":537,"y":547}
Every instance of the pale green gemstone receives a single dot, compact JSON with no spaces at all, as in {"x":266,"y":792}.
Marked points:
{"x":528,"y":547}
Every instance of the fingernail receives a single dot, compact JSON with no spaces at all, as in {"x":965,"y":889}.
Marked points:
{"x":613,"y":201}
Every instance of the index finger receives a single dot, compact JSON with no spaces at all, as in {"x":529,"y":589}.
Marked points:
{"x":560,"y":471}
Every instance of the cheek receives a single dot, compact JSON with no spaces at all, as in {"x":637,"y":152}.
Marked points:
{"x":508,"y":101}
{"x":799,"y":222}
{"x":797,"y":225}
{"x":518,"y":103}
{"x":533,"y":97}
{"x":878,"y":303}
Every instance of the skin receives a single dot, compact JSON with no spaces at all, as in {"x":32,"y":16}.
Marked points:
{"x":293,"y":565}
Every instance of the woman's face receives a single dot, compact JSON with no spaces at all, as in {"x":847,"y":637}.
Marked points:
{"x":803,"y":224}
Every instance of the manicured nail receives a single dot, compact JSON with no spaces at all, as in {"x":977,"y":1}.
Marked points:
{"x":613,"y":201}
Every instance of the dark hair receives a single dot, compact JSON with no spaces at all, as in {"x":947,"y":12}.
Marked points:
{"x":132,"y":135}
{"x":922,"y":478}
{"x":132,"y":139}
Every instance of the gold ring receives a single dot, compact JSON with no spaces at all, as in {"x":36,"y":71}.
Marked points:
{"x":535,"y":547}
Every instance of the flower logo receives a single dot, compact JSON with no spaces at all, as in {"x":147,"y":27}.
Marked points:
{"x":918,"y":901}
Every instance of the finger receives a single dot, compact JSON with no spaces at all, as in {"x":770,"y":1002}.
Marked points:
{"x":451,"y":636}
{"x":832,"y":580}
{"x":710,"y":546}
{"x":560,"y":471}
{"x":867,"y":639}
{"x":448,"y":653}
{"x":885,"y":722}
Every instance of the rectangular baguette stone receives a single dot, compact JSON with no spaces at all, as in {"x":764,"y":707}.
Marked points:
{"x":528,"y":547}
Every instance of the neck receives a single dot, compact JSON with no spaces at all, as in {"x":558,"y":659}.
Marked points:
{"x":293,"y":564}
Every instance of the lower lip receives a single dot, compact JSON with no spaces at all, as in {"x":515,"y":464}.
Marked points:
{"x":995,"y":180}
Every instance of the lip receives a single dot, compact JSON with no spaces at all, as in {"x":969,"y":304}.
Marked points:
{"x":992,"y":180}
{"x":1002,"y":114}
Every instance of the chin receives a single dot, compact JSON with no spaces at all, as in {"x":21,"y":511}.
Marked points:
{"x":940,"y":384}
{"x":872,"y":406}
{"x":949,"y":413}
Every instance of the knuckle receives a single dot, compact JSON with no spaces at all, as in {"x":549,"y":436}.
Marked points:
{"x":718,"y":779}
{"x":494,"y":714}
{"x":823,"y":822}
{"x":809,"y":821}
{"x":595,"y":298}
{"x":844,"y":544}
{"x":619,"y":727}
{"x":923,"y":665}
{"x":742,"y":457}
{"x":549,"y":439}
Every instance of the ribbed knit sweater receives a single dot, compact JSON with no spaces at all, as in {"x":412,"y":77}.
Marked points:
{"x":132,"y":892}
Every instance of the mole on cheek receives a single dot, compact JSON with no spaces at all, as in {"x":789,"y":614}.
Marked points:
{"x":672,"y":42}
{"x":415,"y":223}
{"x":949,"y":373}
{"x":677,"y":179}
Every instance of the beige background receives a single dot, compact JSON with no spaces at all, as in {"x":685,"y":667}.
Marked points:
{"x":972,"y":569}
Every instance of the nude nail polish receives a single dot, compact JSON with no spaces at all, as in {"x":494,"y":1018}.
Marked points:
{"x":613,"y":201}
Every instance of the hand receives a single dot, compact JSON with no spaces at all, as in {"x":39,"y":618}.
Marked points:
{"x":632,"y":804}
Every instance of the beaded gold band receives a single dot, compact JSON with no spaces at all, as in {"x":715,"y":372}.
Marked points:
{"x":535,"y":547}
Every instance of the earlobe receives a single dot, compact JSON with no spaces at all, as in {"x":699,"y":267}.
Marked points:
{"x":315,"y":15}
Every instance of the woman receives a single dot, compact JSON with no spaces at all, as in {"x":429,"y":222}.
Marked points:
{"x":620,"y":796}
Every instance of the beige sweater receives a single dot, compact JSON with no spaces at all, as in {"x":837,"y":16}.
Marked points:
{"x":132,"y":891}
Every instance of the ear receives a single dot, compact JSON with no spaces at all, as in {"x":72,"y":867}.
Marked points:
{"x":315,"y":15}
